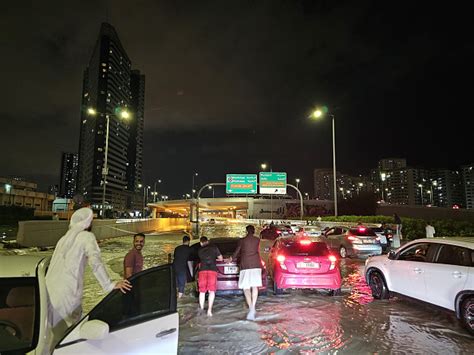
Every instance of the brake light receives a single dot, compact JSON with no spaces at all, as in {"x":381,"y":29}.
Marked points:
{"x":281,"y":259}
{"x":278,"y":232}
{"x":333,"y":261}
{"x":305,"y":242}
{"x":362,"y":229}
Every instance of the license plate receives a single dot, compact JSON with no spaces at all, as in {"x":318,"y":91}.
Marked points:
{"x":229,"y":270}
{"x":309,"y":265}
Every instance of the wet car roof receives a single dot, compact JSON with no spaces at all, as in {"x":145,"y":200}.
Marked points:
{"x":19,"y":265}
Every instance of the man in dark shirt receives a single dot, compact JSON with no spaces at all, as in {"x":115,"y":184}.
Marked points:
{"x":180,"y":263}
{"x":133,"y":261}
{"x":250,"y":278}
{"x":207,"y":279}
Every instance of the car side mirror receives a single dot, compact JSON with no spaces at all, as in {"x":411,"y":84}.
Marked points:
{"x":94,"y":330}
{"x":391,"y":255}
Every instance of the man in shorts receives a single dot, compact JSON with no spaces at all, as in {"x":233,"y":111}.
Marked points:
{"x":250,"y":268}
{"x":207,"y":277}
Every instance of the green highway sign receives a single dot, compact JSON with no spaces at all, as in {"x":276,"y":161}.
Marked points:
{"x":272,"y":183}
{"x":241,"y":184}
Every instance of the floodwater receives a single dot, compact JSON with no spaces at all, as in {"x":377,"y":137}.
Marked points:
{"x":299,"y":321}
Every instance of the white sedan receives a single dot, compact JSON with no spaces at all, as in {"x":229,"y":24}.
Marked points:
{"x":436,"y":270}
{"x":142,"y":321}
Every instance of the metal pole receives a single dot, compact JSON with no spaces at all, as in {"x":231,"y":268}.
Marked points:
{"x":334,"y":164}
{"x":154,"y":195}
{"x":143,"y":203}
{"x":105,"y":170}
{"x":301,"y":199}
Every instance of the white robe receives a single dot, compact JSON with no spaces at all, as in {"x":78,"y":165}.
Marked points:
{"x":65,"y":276}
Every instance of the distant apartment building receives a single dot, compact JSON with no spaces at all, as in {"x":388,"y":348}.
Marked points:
{"x":323,"y":184}
{"x":388,"y":164}
{"x":110,"y":87}
{"x":467,"y":172}
{"x":446,"y":187}
{"x":68,"y":182}
{"x":21,"y":193}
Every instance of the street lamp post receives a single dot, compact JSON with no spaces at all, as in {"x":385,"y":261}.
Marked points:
{"x":211,"y":188}
{"x":124,"y":114}
{"x":154,"y":189}
{"x":421,"y":193}
{"x":382,"y":177}
{"x":297,"y":182}
{"x":264,"y":167}
{"x":317,"y":114}
{"x":193,"y":189}
{"x":435,"y":184}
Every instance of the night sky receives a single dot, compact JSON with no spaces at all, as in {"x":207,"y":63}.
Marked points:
{"x":230,"y":84}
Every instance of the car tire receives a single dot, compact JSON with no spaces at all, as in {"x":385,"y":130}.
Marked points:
{"x":336,"y":292}
{"x":343,"y":252}
{"x":378,"y":286}
{"x":276,"y":290}
{"x":467,"y":314}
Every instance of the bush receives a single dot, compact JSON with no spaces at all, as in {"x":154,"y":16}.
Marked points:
{"x":413,"y":228}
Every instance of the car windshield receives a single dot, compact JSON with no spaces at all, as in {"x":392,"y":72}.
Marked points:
{"x":362,"y":232}
{"x":17,"y":314}
{"x":295,"y":247}
{"x":226,"y":248}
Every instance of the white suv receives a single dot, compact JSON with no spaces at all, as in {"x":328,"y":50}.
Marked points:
{"x":435,"y":270}
{"x":142,"y":320}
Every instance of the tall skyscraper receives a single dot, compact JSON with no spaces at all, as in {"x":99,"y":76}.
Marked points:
{"x":109,"y":88}
{"x":68,"y":182}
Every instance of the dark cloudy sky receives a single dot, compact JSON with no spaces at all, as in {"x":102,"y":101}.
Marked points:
{"x":229,"y":84}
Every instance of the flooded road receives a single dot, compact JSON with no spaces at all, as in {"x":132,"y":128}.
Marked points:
{"x":299,"y":321}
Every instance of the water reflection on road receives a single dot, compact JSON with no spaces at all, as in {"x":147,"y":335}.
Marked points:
{"x":299,"y":321}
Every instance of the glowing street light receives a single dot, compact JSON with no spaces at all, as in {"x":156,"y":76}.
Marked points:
{"x":119,"y":113}
{"x":297,"y":182}
{"x":263,"y":166}
{"x":316,"y":114}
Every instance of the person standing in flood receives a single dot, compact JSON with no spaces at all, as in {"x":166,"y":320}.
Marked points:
{"x":133,"y":261}
{"x":180,"y":264}
{"x":250,"y":278}
{"x":207,"y":277}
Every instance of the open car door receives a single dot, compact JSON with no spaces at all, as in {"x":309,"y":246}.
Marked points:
{"x":143,"y":320}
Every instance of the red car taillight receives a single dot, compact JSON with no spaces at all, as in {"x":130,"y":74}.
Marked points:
{"x":333,"y":261}
{"x":281,"y":259}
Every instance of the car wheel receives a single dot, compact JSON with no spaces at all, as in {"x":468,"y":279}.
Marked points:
{"x":343,"y":252}
{"x":336,"y":292}
{"x":378,"y":286}
{"x":467,"y":314}
{"x":276,"y":290}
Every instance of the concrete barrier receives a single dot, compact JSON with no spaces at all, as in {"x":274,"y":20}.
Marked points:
{"x":47,"y":233}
